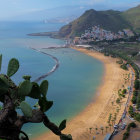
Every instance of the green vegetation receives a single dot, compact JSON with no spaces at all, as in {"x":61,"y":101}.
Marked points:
{"x":133,"y":17}
{"x":124,"y":91}
{"x":127,"y":133}
{"x":138,"y":101}
{"x":109,"y":119}
{"x":134,"y":99}
{"x":13,"y":97}
{"x":127,"y":51}
{"x":110,"y":20}
{"x":118,"y":100}
{"x":120,"y":61}
{"x":102,"y":129}
{"x":124,"y":66}
{"x":137,"y":84}
{"x":131,"y":111}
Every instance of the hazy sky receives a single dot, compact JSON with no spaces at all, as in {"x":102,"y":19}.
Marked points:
{"x":9,"y":8}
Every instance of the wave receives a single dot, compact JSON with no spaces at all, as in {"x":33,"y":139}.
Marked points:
{"x":52,"y":70}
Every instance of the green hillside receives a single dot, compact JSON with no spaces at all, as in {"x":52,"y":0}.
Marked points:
{"x":133,"y":17}
{"x":109,"y":20}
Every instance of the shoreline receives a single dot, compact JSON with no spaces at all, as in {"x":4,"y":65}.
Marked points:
{"x":97,"y":112}
{"x":55,"y":67}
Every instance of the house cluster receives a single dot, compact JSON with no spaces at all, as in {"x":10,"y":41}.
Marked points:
{"x":99,"y":34}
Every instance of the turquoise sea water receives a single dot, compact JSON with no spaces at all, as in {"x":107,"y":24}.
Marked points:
{"x":71,"y":86}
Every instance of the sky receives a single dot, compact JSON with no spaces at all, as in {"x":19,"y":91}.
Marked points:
{"x":11,"y":8}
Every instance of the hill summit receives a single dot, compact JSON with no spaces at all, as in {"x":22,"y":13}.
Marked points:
{"x":109,"y":20}
{"x":133,"y":17}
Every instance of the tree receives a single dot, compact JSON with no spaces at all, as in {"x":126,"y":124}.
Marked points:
{"x":102,"y":129}
{"x":124,"y":91}
{"x":115,"y":117}
{"x":90,"y":130}
{"x":112,"y":121}
{"x":106,"y":128}
{"x":134,"y":99}
{"x":117,"y":110}
{"x":13,"y":97}
{"x":118,"y":101}
{"x":110,"y":126}
{"x":137,"y":84}
{"x":96,"y":129}
{"x":112,"y":103}
{"x":109,"y":119}
{"x":131,"y":111}
{"x":124,"y":66}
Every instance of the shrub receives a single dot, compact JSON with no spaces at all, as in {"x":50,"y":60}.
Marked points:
{"x":124,"y":91}
{"x":137,"y":84}
{"x":118,"y":101}
{"x":137,"y":117}
{"x":125,"y":135}
{"x":123,"y":66}
{"x":120,"y":61}
{"x":123,"y":95}
{"x":131,"y":112}
{"x":138,"y":101}
{"x":134,"y":100}
{"x":133,"y":125}
{"x":135,"y":93}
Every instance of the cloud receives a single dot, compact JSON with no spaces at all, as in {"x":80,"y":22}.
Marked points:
{"x":82,"y":7}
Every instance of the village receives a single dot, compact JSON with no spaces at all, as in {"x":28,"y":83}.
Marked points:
{"x":99,"y":34}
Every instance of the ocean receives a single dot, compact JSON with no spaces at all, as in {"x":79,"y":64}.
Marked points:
{"x":71,"y":87}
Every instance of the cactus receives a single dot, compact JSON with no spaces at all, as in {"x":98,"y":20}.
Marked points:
{"x":66,"y":137}
{"x":26,"y":109}
{"x":35,"y":91}
{"x":26,"y":77}
{"x":13,"y":97}
{"x":4,"y":87}
{"x":13,"y":67}
{"x":44,"y":88}
{"x":62,"y":125}
{"x":25,"y":88}
{"x":44,"y":104}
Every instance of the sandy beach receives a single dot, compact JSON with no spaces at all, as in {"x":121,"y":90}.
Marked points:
{"x":96,"y":114}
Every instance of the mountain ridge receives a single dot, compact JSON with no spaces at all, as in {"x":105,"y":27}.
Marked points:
{"x":110,"y":20}
{"x":133,"y":17}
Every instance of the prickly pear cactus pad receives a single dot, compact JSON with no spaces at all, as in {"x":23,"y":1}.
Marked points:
{"x":13,"y":97}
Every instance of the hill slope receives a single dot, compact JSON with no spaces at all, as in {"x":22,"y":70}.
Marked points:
{"x":109,"y":20}
{"x":133,"y":17}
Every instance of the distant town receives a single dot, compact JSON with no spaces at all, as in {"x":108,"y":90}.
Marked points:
{"x":96,"y":33}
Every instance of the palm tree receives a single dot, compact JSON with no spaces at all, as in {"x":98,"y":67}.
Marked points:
{"x":110,"y":126}
{"x":117,"y":110}
{"x":115,"y":117}
{"x":112,"y":103}
{"x":90,"y":130}
{"x":120,"y":106}
{"x":106,"y":128}
{"x":102,"y":129}
{"x":96,"y":129}
{"x":112,"y":122}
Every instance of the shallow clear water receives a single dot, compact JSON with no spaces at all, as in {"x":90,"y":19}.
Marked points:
{"x":71,"y":86}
